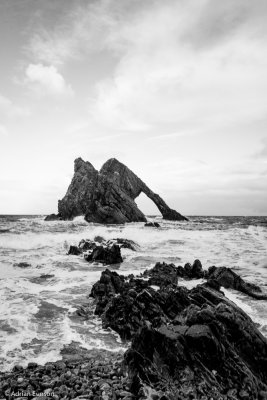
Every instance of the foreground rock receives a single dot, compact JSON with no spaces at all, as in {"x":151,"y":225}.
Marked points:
{"x":107,"y":196}
{"x":186,"y":344}
{"x":229,"y":279}
{"x":214,"y":353}
{"x":124,"y":303}
{"x":220,"y":276}
{"x":99,"y":250}
{"x":82,"y":374}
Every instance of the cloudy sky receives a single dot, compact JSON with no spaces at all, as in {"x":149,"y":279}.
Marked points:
{"x":175,"y":89}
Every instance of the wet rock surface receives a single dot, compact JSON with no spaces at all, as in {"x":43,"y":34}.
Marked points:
{"x":229,"y":279}
{"x":152,"y":224}
{"x":102,"y":251}
{"x":22,"y":265}
{"x":84,"y":374}
{"x":186,"y":344}
{"x":105,"y":254}
{"x":107,"y":196}
{"x":53,"y":217}
{"x":126,"y":303}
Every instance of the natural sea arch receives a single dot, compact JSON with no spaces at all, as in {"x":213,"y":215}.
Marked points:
{"x":146,"y":205}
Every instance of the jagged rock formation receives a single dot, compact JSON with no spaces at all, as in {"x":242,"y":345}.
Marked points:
{"x":186,"y":344}
{"x":108,"y":196}
{"x":102,"y":251}
{"x":229,"y":279}
{"x":124,"y":313}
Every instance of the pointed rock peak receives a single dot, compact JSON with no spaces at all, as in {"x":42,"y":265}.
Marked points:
{"x":112,"y":164}
{"x":80,"y":163}
{"x":108,"y":196}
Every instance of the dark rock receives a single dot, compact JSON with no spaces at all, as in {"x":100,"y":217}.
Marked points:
{"x":108,"y":196}
{"x":17,"y":368}
{"x":124,"y":243}
{"x":32,"y":365}
{"x":227,"y":278}
{"x":99,"y":239}
{"x":53,"y":217}
{"x":46,"y":276}
{"x":41,"y":279}
{"x":184,"y":342}
{"x":152,"y":224}
{"x":101,"y":251}
{"x":162,"y":274}
{"x":197,"y":271}
{"x":189,"y":271}
{"x":105,"y":255}
{"x":215,"y":348}
{"x":87,"y":244}
{"x":82,"y":374}
{"x":125,"y":304}
{"x":109,"y":285}
{"x":74,"y":250}
{"x":22,"y":265}
{"x":213,"y":284}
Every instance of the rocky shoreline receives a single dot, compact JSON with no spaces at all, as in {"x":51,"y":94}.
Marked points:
{"x":84,"y":374}
{"x":183,"y":344}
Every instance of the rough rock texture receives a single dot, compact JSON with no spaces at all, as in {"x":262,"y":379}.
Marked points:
{"x":216,"y":353}
{"x":189,"y":271}
{"x":229,"y":279}
{"x":82,"y":374}
{"x":124,"y":243}
{"x":108,"y":196}
{"x":99,"y":250}
{"x":105,"y":255}
{"x":140,"y":300}
{"x":186,"y":344}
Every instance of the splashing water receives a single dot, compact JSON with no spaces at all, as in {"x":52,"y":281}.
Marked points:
{"x":38,"y":302}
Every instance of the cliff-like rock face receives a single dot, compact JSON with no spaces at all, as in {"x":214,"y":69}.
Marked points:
{"x":108,"y":196}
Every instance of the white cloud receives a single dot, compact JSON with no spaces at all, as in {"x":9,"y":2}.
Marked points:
{"x":80,"y":31}
{"x":162,"y":78}
{"x":190,"y":64}
{"x":47,"y":80}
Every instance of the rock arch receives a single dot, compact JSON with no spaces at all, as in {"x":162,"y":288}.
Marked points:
{"x":108,"y":196}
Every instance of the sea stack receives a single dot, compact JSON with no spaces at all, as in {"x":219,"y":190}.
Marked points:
{"x":107,"y":196}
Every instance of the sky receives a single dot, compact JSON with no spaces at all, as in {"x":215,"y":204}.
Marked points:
{"x":175,"y":89}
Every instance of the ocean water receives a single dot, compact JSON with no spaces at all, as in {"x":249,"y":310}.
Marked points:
{"x":37,"y":312}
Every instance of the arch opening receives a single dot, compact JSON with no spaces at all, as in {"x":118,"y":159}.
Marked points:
{"x":147,"y":206}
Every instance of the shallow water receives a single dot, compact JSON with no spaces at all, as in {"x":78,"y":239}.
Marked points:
{"x":37,"y":312}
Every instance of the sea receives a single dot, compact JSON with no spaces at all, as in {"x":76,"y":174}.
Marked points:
{"x":38,"y":303}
